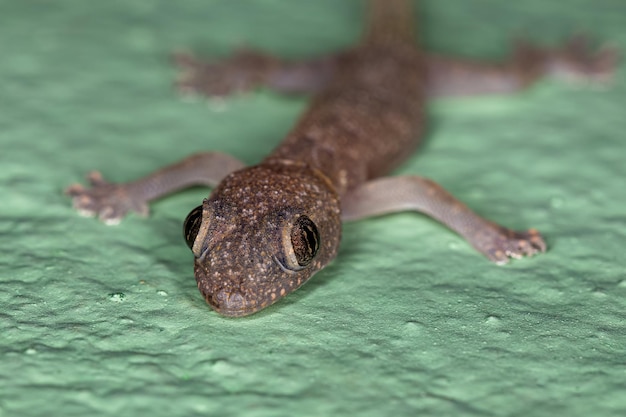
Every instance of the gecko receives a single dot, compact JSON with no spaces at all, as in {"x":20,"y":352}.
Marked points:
{"x":266,"y":229}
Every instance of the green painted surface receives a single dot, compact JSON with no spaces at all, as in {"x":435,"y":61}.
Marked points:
{"x":98,"y":320}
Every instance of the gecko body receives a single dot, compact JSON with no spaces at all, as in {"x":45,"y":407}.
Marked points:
{"x":266,"y":229}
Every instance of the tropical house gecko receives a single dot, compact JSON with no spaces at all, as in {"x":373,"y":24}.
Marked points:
{"x":266,"y":229}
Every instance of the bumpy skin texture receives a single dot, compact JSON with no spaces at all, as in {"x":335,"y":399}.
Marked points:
{"x":242,"y":245}
{"x":368,"y":119}
{"x":266,"y":230}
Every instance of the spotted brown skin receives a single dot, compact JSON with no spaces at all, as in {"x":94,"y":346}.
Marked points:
{"x":265,"y":230}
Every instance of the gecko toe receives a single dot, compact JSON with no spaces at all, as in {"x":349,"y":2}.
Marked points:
{"x":109,"y":202}
{"x":95,"y":179}
{"x":507,"y":244}
{"x":584,"y":63}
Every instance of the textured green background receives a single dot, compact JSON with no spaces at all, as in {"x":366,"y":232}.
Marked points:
{"x":98,"y":320}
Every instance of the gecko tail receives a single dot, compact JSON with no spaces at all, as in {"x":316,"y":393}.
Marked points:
{"x":390,"y":21}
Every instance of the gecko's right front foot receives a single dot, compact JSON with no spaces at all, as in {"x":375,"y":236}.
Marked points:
{"x":110,"y":202}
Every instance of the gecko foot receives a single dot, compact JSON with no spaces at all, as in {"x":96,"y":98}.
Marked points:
{"x":110,"y":202}
{"x":243,"y":71}
{"x":504,"y":244}
{"x":575,"y":61}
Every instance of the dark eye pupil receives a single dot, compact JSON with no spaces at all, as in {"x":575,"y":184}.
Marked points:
{"x":305,"y":240}
{"x":192,"y":226}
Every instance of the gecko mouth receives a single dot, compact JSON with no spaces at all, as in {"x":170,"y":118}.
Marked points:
{"x":227,"y":301}
{"x":231,"y":303}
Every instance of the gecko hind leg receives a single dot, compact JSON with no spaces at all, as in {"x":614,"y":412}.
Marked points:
{"x":413,"y":193}
{"x":247,"y":70}
{"x":574,"y":61}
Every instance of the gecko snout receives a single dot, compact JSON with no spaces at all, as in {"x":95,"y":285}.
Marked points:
{"x":228,"y":302}
{"x":231,"y":303}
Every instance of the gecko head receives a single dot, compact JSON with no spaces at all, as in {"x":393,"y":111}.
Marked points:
{"x":262,"y":233}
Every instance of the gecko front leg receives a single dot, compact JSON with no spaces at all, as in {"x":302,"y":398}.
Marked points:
{"x":242,"y":71}
{"x":413,"y":193}
{"x":111,"y":202}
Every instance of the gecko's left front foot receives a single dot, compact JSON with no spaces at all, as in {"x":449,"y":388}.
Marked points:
{"x":501,"y":244}
{"x":110,"y":202}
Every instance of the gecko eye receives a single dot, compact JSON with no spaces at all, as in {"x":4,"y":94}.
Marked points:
{"x":192,"y":226}
{"x":301,"y":244}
